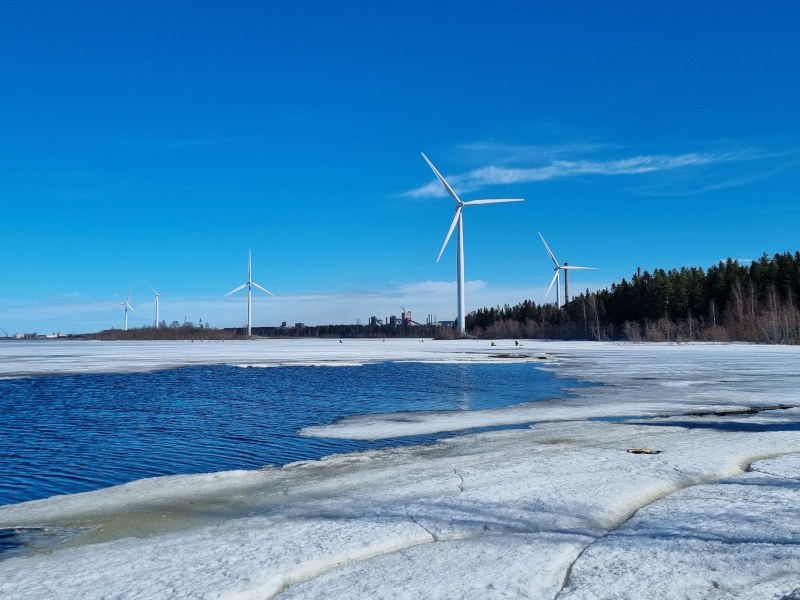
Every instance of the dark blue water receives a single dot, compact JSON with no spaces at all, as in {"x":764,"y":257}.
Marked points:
{"x":66,"y":434}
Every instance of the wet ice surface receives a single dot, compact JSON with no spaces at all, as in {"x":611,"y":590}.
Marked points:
{"x":560,"y":509}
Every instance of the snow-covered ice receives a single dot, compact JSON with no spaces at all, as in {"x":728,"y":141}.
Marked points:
{"x":735,"y":538}
{"x":58,"y":357}
{"x":558,"y":509}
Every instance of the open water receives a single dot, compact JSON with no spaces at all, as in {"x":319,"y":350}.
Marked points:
{"x":65,"y":434}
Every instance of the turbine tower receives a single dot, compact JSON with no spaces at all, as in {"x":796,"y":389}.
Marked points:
{"x":157,"y":297}
{"x":460,"y":204}
{"x":558,"y":268}
{"x":127,"y":306}
{"x":250,"y":283}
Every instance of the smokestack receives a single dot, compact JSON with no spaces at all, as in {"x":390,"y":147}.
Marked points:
{"x":640,"y":272}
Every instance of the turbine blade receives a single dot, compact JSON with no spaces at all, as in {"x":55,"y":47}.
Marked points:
{"x":548,"y":250}
{"x":129,"y":306}
{"x":236,"y":290}
{"x":495,"y":201}
{"x":262,"y":289}
{"x":571,"y":267}
{"x":249,"y":265}
{"x":154,"y":291}
{"x":129,"y":295}
{"x":551,"y":284}
{"x":450,"y":232}
{"x":441,"y":179}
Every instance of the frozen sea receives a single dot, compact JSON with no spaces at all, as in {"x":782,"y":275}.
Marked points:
{"x":554,"y":508}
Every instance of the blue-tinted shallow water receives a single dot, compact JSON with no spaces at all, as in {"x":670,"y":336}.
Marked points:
{"x":67,"y":434}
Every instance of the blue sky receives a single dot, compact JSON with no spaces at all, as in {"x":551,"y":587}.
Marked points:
{"x":155,"y":143}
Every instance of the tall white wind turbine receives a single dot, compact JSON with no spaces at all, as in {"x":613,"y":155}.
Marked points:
{"x":127,"y":306}
{"x":157,"y":297}
{"x":556,"y":277}
{"x":250,"y":283}
{"x":460,"y":204}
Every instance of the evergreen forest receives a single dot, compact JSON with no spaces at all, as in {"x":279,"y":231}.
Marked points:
{"x":727,"y":302}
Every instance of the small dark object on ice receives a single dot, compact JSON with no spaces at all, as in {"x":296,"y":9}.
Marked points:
{"x":643,"y":451}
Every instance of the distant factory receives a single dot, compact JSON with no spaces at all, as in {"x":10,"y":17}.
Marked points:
{"x":406,"y":319}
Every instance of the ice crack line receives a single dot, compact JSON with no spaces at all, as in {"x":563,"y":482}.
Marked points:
{"x":461,"y":485}
{"x":744,"y":468}
{"x":428,"y":531}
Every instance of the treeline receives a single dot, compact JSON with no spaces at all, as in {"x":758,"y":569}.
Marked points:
{"x":190,"y":332}
{"x":727,"y":302}
{"x":183,"y":332}
{"x":346,"y":331}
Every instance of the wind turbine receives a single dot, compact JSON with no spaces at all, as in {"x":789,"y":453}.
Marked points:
{"x":157,"y":297}
{"x":460,"y":204}
{"x":127,"y":306}
{"x":558,"y":268}
{"x":249,"y":285}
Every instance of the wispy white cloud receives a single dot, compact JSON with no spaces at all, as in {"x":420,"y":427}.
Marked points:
{"x":670,"y":189}
{"x":503,"y":154}
{"x":486,"y":176}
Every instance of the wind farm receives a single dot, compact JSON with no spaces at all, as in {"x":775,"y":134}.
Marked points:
{"x":608,"y":412}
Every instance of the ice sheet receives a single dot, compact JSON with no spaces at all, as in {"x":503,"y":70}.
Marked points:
{"x":510,"y":513}
{"x":25,"y":358}
{"x":562,"y":484}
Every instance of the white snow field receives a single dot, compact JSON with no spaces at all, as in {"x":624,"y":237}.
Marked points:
{"x":58,"y":357}
{"x":560,"y":509}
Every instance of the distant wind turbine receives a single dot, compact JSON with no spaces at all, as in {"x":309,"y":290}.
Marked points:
{"x":127,"y":306}
{"x":157,"y":297}
{"x":249,"y":285}
{"x":558,"y":268}
{"x":460,"y":204}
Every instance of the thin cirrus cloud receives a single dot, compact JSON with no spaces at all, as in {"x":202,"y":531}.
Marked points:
{"x":559,"y":169}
